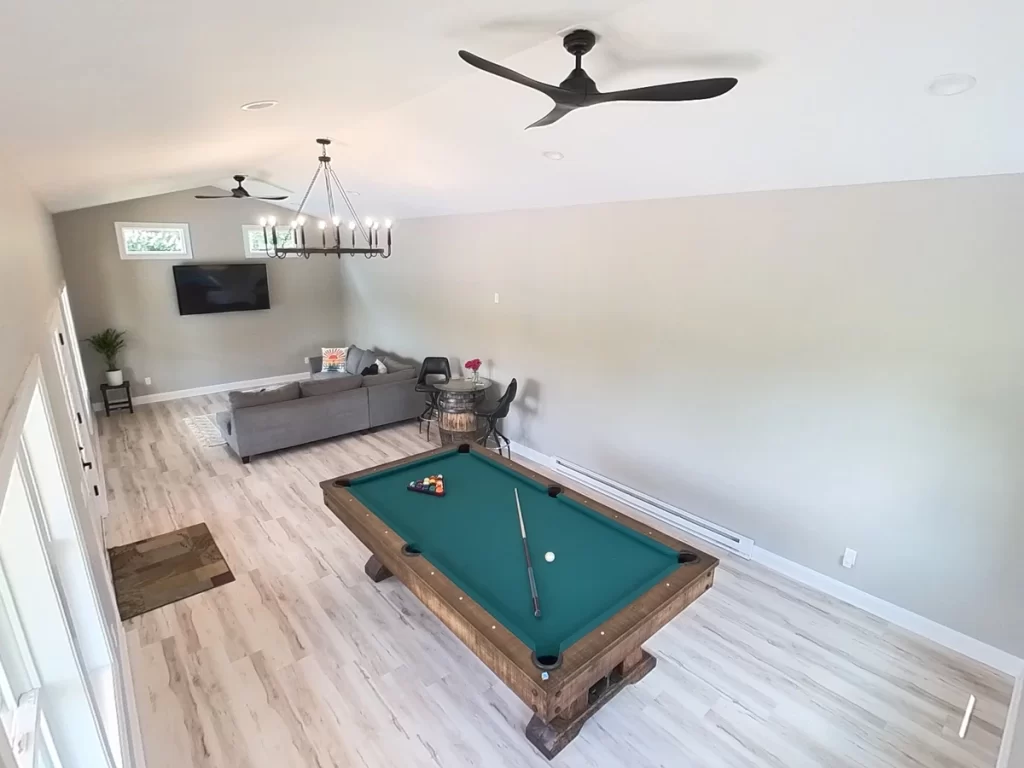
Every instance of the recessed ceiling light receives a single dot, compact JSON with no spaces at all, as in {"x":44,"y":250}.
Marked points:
{"x":951,"y":85}
{"x":553,"y":155}
{"x":255,"y":106}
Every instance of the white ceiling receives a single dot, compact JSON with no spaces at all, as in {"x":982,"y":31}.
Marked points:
{"x":111,"y":99}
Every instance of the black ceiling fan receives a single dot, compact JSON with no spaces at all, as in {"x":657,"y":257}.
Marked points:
{"x":239,"y":192}
{"x":578,"y":90}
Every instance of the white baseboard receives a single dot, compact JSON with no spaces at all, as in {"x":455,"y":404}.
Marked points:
{"x":178,"y":394}
{"x":1010,"y":731}
{"x":901,"y":617}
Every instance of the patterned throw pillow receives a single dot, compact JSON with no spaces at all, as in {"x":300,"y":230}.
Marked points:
{"x":333,"y":359}
{"x":381,"y":368}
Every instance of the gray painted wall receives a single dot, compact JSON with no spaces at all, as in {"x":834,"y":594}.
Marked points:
{"x":30,"y":282}
{"x":199,"y":350}
{"x":817,"y":369}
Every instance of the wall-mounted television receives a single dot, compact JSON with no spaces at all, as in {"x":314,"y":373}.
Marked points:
{"x":208,"y":288}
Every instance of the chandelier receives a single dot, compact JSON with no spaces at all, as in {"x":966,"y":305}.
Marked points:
{"x":296,"y":244}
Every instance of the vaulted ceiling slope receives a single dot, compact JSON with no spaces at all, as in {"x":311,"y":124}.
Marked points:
{"x":109,"y":100}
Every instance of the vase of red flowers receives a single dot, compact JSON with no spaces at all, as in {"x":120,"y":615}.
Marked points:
{"x":474,"y":366}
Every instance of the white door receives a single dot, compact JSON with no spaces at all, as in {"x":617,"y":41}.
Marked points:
{"x":76,"y":394}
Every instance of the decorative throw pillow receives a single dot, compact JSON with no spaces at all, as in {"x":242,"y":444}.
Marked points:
{"x":333,"y":359}
{"x":381,"y":368}
{"x":370,"y":370}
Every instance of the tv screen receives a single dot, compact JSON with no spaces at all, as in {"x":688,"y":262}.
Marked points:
{"x":221,"y":288}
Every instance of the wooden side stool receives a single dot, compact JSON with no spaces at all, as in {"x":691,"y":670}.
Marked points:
{"x":117,"y":405}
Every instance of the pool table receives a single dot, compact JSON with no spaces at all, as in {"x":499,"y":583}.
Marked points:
{"x":613,"y":582}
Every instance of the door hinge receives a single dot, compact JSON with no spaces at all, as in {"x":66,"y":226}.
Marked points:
{"x":61,"y":337}
{"x":96,"y":490}
{"x":79,"y":416}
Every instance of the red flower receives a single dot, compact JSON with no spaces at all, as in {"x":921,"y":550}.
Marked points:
{"x":473,"y":365}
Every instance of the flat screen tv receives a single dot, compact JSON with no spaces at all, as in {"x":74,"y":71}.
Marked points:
{"x":204,"y":289}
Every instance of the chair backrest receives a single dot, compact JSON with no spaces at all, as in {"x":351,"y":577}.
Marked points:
{"x":434,"y":366}
{"x":501,"y":411}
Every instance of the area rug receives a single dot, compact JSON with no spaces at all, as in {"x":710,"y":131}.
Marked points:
{"x":163,"y":569}
{"x":205,"y":430}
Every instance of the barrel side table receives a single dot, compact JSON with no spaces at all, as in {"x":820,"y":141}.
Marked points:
{"x":456,"y":406}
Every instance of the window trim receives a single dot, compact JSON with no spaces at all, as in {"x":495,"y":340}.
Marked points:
{"x":120,"y":226}
{"x":251,"y":254}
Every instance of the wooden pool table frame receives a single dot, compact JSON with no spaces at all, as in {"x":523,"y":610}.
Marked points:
{"x":593,"y":669}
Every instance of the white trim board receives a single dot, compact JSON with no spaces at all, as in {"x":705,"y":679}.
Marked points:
{"x":1013,"y":716}
{"x":894,"y":614}
{"x":228,"y":386}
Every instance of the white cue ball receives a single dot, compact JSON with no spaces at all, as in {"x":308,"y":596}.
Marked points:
{"x":549,"y":556}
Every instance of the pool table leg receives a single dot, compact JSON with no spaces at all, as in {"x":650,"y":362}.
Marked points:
{"x":551,"y":738}
{"x":376,"y":570}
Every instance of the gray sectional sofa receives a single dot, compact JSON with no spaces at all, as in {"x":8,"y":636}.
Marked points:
{"x":327,"y":405}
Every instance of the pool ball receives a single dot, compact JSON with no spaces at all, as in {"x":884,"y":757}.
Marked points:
{"x":549,"y":556}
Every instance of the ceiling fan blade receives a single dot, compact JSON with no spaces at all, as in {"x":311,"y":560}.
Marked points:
{"x":213,"y":197}
{"x":279,"y":197}
{"x":556,"y":114}
{"x":556,"y":93}
{"x":692,"y":90}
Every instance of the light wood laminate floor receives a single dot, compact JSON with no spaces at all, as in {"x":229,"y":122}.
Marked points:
{"x":302,"y":661}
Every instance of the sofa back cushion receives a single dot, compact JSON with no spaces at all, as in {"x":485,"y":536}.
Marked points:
{"x":386,"y":378}
{"x":397,"y":365}
{"x":353,"y":360}
{"x":339,"y":382}
{"x":264,"y":396}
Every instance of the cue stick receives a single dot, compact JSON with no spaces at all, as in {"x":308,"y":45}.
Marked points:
{"x":529,"y":563}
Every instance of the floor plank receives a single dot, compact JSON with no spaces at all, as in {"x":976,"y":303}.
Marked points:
{"x":302,"y":661}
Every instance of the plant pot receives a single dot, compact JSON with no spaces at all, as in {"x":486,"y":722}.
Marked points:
{"x":115,"y":378}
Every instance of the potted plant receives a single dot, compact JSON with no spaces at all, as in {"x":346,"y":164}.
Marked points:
{"x":109,"y":343}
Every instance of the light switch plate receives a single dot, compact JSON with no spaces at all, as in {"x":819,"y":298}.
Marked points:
{"x":849,"y":558}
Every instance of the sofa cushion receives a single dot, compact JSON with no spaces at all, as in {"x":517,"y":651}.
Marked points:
{"x":332,"y":359}
{"x":327,"y":385}
{"x":387,"y":378}
{"x":354,"y":360}
{"x":396,"y":365}
{"x":264,"y":396}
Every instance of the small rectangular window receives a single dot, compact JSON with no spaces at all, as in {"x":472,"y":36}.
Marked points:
{"x":256,"y":244}
{"x":141,"y":240}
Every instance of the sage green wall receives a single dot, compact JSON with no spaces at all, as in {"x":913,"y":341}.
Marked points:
{"x":817,"y":369}
{"x":199,"y":350}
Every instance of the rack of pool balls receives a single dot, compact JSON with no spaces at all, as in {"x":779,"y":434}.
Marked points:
{"x":432,"y":486}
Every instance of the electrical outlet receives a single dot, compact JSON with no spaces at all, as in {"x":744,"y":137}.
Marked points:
{"x":849,"y":558}
{"x":305,"y":360}
{"x":148,"y":381}
{"x":496,"y":299}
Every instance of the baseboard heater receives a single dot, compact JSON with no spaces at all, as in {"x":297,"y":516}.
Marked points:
{"x":677,"y":518}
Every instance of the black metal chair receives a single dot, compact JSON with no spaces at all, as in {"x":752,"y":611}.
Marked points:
{"x":434,"y":369}
{"x":500,"y":411}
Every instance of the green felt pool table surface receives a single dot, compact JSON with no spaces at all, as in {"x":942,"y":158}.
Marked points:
{"x":472,"y":535}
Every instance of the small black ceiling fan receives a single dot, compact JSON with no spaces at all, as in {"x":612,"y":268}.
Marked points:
{"x":240,"y":193}
{"x":578,"y":90}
